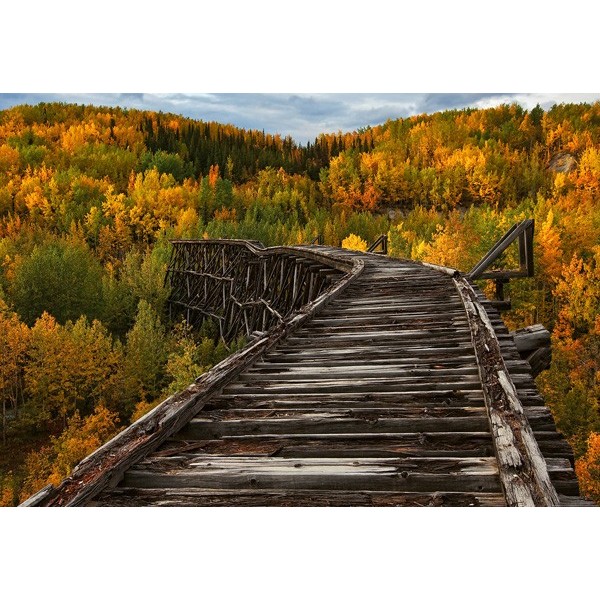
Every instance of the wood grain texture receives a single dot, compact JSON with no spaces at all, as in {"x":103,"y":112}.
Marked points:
{"x":377,"y":392}
{"x":107,"y":464}
{"x":522,"y":467}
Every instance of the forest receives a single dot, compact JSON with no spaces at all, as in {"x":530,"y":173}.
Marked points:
{"x":90,"y":197}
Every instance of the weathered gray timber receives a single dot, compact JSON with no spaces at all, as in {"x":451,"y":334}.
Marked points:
{"x":523,"y":471}
{"x":383,"y":382}
{"x":524,"y":233}
{"x":533,"y":344}
{"x":244,"y":288}
{"x":107,"y":464}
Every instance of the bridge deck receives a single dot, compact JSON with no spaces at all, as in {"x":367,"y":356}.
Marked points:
{"x":377,"y":400}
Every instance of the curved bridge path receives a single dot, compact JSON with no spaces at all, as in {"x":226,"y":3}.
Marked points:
{"x":400,"y":385}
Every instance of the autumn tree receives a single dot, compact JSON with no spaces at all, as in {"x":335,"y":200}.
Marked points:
{"x":145,"y":355}
{"x":71,"y":367}
{"x":14,"y":341}
{"x":144,"y":275}
{"x":81,"y":437}
{"x":571,"y":386}
{"x":183,"y":361}
{"x":60,"y":277}
{"x":588,"y":469}
{"x":354,"y":242}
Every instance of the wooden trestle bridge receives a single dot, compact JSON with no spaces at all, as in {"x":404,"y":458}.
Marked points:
{"x":366,"y":381}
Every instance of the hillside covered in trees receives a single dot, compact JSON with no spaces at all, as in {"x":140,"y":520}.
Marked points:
{"x":89,"y":198}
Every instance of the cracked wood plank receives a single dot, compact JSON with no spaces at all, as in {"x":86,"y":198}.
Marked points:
{"x":523,"y":470}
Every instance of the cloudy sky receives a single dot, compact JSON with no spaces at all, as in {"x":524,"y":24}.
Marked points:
{"x":269,"y":46}
{"x":303,"y":116}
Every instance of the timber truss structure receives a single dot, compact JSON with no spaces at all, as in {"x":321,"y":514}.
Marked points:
{"x":366,"y":380}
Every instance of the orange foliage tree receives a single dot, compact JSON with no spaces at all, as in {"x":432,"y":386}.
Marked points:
{"x":81,"y":437}
{"x":588,"y":469}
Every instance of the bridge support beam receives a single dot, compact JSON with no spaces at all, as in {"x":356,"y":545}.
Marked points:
{"x":523,"y":470}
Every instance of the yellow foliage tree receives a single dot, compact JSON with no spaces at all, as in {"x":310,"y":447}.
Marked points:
{"x":354,"y":242}
{"x":70,"y":367}
{"x":451,"y":245}
{"x":548,"y":248}
{"x":578,"y":294}
{"x":9,"y":159}
{"x":79,"y":135}
{"x":81,"y":437}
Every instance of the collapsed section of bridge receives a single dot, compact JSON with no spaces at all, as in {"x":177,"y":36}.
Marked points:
{"x":366,"y":381}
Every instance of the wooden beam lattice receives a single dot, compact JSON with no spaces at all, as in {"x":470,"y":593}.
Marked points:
{"x":244,"y":288}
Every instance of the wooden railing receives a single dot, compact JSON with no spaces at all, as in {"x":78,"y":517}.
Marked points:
{"x":380,"y":245}
{"x":522,"y":231}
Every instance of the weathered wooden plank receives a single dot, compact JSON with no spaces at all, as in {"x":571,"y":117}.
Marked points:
{"x":430,"y":307}
{"x":365,"y":333}
{"x":531,"y":338}
{"x":424,"y":399}
{"x":39,"y":497}
{"x":385,"y":328}
{"x":540,"y":360}
{"x":422,"y":317}
{"x":370,"y":351}
{"x":553,"y":444}
{"x":370,"y":344}
{"x":248,"y":497}
{"x":339,"y":445}
{"x":413,"y":475}
{"x":368,"y":413}
{"x":575,"y":501}
{"x":207,"y":429}
{"x":403,"y":295}
{"x":523,"y":470}
{"x":391,"y":300}
{"x":349,"y":373}
{"x":319,"y":465}
{"x":276,"y":363}
{"x":369,"y":385}
{"x":540,"y":418}
{"x":106,"y":465}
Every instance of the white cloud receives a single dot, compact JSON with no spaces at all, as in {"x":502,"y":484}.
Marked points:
{"x":301,"y":115}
